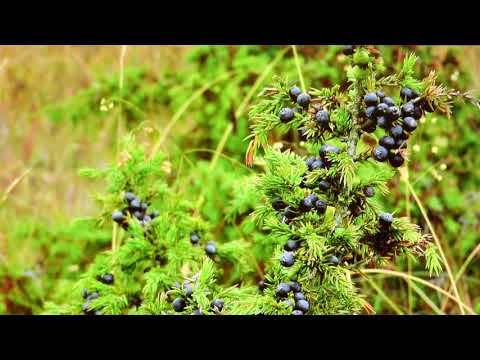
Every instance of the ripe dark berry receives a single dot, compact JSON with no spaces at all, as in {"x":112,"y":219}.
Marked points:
{"x":383,"y":122}
{"x":187,"y":288}
{"x":302,"y":305}
{"x":380,"y":153}
{"x":218,"y":303}
{"x":348,"y":50}
{"x":262,"y":285}
{"x":138,"y":214}
{"x":291,"y":245}
{"x":396,"y":160}
{"x":324,"y":185}
{"x":389,"y":101}
{"x":129,"y":196}
{"x":297,"y":312}
{"x":309,"y":161}
{"x":286,"y":115}
{"x":210,"y":248}
{"x":298,"y":296}
{"x":278,"y":204}
{"x":386,"y":219}
{"x":287,"y":259}
{"x":381,"y":109}
{"x":303,"y":100}
{"x":369,"y":191}
{"x":295,"y":286}
{"x":334,"y":260}
{"x":370,"y":112}
{"x":178,"y":304}
{"x":407,"y":109}
{"x":409,"y":124}
{"x":322,"y":117}
{"x":144,"y":207}
{"x":407,"y":94}
{"x":135,"y":204}
{"x":317,"y":164}
{"x":118,"y":216}
{"x":308,"y":203}
{"x":86,"y":308}
{"x":327,"y":148}
{"x":387,"y":142}
{"x":147,"y":219}
{"x":417,"y":113}
{"x":289,"y":213}
{"x":321,"y":206}
{"x":294,"y":92}
{"x":282,"y":290}
{"x":107,"y":279}
{"x":371,"y":99}
{"x":194,"y":238}
{"x":396,"y":132}
{"x":369,"y":127}
{"x":85,"y":293}
{"x":393,"y":113}
{"x":154,"y":214}
{"x":401,"y":143}
{"x":93,"y":296}
{"x":380,"y":94}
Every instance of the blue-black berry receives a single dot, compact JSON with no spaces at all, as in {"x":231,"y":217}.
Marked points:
{"x":309,"y":161}
{"x":129,"y":196}
{"x":396,"y":160}
{"x":407,"y":94}
{"x":371,"y":99}
{"x":383,"y":122}
{"x":370,"y":112}
{"x":317,"y":164}
{"x":194,"y":238}
{"x":298,"y":296}
{"x":93,"y":296}
{"x":118,"y":216}
{"x":408,"y":109}
{"x":287,"y":259}
{"x":289,"y":213}
{"x":387,"y":142}
{"x":297,"y":312}
{"x":417,"y":113}
{"x":210,"y":248}
{"x":334,"y":260}
{"x":135,"y":204}
{"x":321,"y":206}
{"x":282,"y":290}
{"x":393,"y":113}
{"x":389,"y":101}
{"x":380,"y":94}
{"x":396,"y":132}
{"x":262,"y":285}
{"x":386,"y":219}
{"x":369,"y":191}
{"x":107,"y":279}
{"x":302,"y":305}
{"x":286,"y":115}
{"x":294,"y":92}
{"x":291,"y":245}
{"x":322,"y":117}
{"x":369,"y":127}
{"x":409,"y":124}
{"x":187,"y":288}
{"x":324,"y":185}
{"x":348,"y":50}
{"x":308,"y":203}
{"x":295,"y":286}
{"x":218,"y":303}
{"x":278,"y":204}
{"x":178,"y":304}
{"x":327,"y":148}
{"x":303,"y":100}
{"x":381,"y":109}
{"x":380,"y":153}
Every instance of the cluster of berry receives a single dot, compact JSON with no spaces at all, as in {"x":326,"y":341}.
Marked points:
{"x":106,"y":279}
{"x":301,"y":305}
{"x":398,"y":122}
{"x":210,"y":247}
{"x":180,"y":303}
{"x":299,"y":98}
{"x":135,"y":208}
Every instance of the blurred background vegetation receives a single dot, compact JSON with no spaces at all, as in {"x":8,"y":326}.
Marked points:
{"x":64,"y":107}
